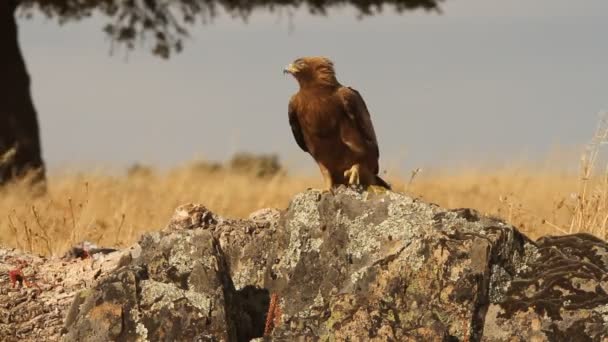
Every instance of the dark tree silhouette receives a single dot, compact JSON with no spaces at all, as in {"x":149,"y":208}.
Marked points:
{"x":163,"y":22}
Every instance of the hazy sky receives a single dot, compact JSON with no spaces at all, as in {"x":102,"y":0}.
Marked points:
{"x":484,"y":80}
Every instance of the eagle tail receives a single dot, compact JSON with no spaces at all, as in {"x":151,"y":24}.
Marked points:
{"x":381,"y":182}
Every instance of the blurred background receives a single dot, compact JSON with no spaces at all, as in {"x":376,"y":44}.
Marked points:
{"x":483,"y":80}
{"x":493,"y":105}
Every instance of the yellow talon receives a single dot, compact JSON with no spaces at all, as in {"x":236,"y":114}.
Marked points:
{"x":376,"y":189}
{"x":353,"y":175}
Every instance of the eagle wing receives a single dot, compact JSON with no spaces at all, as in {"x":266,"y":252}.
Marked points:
{"x":357,"y":112}
{"x":296,"y":129}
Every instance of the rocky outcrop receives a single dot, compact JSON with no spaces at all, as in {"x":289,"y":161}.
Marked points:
{"x":36,"y":292}
{"x":348,"y":266}
{"x":558,"y":292}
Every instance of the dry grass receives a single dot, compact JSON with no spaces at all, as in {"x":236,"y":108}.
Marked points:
{"x":116,"y":210}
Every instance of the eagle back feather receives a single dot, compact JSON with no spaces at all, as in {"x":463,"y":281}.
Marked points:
{"x":356,"y":110}
{"x":296,"y":129}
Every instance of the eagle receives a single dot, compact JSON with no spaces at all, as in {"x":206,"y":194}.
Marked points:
{"x":331,"y":122}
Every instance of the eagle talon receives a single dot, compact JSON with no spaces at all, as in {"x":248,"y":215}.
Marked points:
{"x":353,"y":175}
{"x":376,"y":189}
{"x":320,"y":190}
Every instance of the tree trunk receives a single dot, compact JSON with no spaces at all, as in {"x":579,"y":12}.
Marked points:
{"x":20,"y":150}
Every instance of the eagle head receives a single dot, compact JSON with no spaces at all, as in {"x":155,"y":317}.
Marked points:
{"x":312,"y":71}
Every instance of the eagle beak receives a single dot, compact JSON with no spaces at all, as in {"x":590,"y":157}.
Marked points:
{"x":290,"y":69}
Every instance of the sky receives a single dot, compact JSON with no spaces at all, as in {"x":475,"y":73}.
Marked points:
{"x":484,"y":81}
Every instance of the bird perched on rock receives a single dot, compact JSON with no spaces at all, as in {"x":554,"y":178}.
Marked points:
{"x":332,"y":123}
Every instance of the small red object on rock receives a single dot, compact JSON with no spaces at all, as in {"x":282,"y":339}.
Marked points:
{"x":16,"y":276}
{"x":273,"y":317}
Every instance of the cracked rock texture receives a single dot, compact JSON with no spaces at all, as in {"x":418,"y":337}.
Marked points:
{"x":35,"y":309}
{"x":348,"y":266}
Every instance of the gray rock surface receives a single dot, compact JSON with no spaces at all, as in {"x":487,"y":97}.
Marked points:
{"x":33,"y":308}
{"x":348,"y":266}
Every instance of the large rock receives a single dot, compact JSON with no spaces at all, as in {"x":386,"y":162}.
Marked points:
{"x":36,"y":292}
{"x":349,"y":267}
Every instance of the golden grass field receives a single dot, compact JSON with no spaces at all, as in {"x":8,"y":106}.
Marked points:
{"x":114,"y":210}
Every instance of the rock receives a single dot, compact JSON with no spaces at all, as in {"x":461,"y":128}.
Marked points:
{"x":168,"y":297}
{"x":190,"y":216}
{"x":178,"y":289}
{"x":558,"y":292}
{"x":34,"y":308}
{"x":348,"y":266}
{"x":265,"y":215}
{"x":390,"y":268}
{"x":86,"y":249}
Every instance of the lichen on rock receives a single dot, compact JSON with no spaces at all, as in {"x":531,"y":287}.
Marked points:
{"x":347,"y":265}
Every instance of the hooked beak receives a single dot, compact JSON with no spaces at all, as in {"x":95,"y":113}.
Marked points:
{"x":290,"y":69}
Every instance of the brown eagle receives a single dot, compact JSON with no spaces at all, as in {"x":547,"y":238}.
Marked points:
{"x":332,"y":123}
